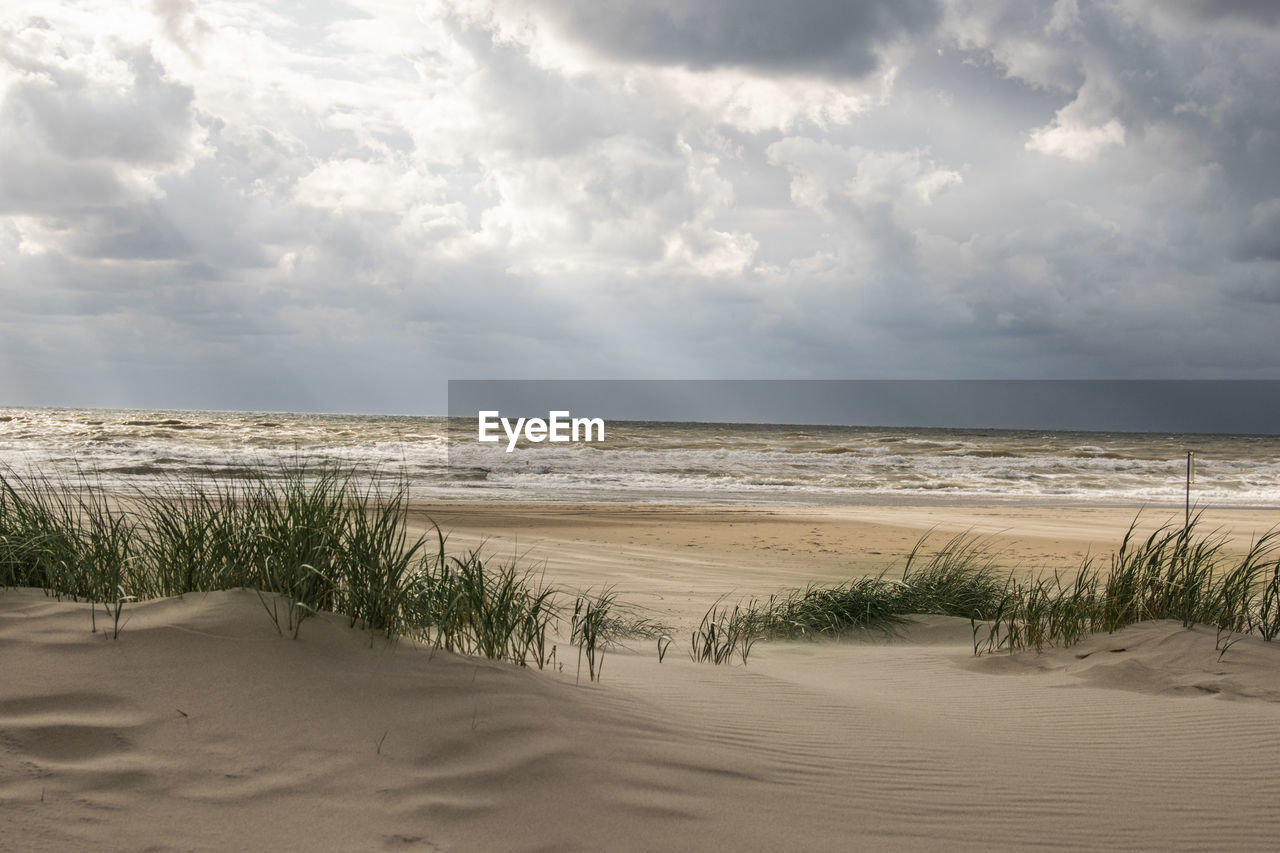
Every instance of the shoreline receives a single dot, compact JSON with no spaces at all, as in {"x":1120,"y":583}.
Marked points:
{"x":843,"y":501}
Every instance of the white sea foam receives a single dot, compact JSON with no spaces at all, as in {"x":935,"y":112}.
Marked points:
{"x":743,"y":463}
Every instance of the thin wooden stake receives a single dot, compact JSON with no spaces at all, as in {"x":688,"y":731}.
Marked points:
{"x":1191,"y":478}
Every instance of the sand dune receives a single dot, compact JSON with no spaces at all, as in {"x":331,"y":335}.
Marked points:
{"x":201,"y":728}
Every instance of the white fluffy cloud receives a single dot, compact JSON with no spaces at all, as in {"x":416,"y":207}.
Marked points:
{"x":820,"y":170}
{"x":1076,"y":142}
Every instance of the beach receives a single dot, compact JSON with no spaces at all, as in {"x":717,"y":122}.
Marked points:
{"x":202,"y":728}
{"x":487,"y":426}
{"x":681,"y":558}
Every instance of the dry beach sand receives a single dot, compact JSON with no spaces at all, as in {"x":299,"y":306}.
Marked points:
{"x":200,"y":728}
{"x":680,"y":559}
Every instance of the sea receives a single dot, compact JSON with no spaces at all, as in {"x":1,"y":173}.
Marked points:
{"x":689,"y":463}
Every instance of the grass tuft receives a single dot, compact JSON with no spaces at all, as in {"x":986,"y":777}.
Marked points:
{"x":311,"y":540}
{"x":309,"y":535}
{"x":959,"y":579}
{"x":724,"y":633}
{"x":1176,"y":572}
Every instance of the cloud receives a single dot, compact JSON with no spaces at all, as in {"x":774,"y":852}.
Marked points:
{"x":840,"y":39}
{"x":183,"y":24}
{"x":256,"y":200}
{"x":1076,"y":142}
{"x":1262,"y":235}
{"x":1253,"y":12}
{"x":86,"y":124}
{"x":821,"y":172}
{"x":621,"y":206}
{"x":366,"y":185}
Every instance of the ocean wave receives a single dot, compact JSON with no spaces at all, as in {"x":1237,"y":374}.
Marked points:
{"x":650,"y":461}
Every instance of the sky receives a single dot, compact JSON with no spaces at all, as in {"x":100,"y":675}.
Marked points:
{"x":338,"y":206}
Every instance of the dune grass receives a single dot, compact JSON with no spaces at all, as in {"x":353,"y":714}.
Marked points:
{"x":311,"y":536}
{"x":589,"y":628}
{"x":1176,"y":572}
{"x":725,"y":633}
{"x":313,"y":540}
{"x":960,"y":578}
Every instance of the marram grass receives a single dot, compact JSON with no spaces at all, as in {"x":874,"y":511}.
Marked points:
{"x":1176,"y":572}
{"x":961,"y":578}
{"x":312,"y":536}
{"x":322,"y":542}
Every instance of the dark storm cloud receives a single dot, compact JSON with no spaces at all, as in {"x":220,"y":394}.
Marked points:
{"x":805,"y":35}
{"x":1262,"y":237}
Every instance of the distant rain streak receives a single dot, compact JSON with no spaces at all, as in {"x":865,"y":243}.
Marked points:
{"x":559,"y":426}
